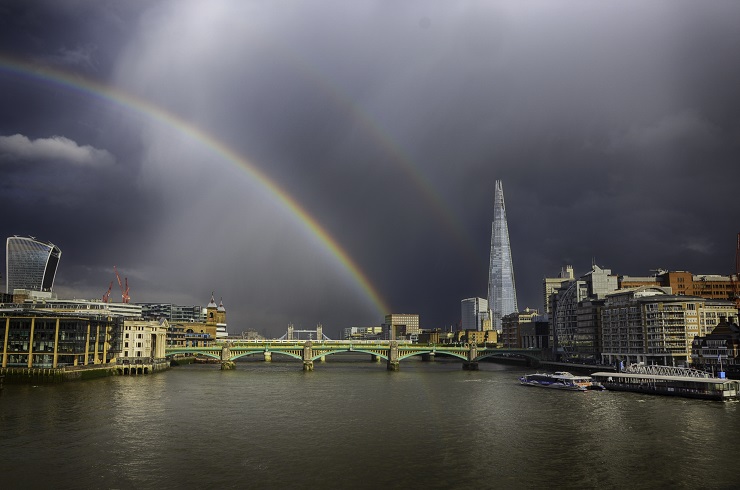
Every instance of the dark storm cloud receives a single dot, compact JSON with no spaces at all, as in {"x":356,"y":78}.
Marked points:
{"x":614,"y":128}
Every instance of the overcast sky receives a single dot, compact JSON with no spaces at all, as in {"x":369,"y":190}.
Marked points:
{"x":144,"y":134}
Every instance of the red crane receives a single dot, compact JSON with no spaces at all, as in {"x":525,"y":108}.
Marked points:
{"x":106,"y":296}
{"x":125,"y":298}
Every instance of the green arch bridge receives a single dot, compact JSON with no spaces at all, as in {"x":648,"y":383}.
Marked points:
{"x":393,"y":352}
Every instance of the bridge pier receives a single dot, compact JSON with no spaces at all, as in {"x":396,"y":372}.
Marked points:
{"x":226,"y":363}
{"x":268,"y":356}
{"x":308,"y":356}
{"x":322,"y":358}
{"x":374,"y":358}
{"x":393,"y":362}
{"x":471,"y":364}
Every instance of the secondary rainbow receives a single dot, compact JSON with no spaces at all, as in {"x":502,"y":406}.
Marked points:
{"x":141,"y":106}
{"x":468,"y":250}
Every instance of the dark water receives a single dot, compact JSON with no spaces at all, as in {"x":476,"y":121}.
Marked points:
{"x":355,"y":425}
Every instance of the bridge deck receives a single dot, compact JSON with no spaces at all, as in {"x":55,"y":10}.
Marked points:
{"x":309,"y":351}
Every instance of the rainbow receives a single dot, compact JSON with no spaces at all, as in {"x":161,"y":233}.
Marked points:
{"x":142,"y":107}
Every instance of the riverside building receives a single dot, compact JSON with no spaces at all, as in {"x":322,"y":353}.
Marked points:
{"x":710,"y":286}
{"x":551,"y":285}
{"x":648,"y":324}
{"x":72,"y":333}
{"x":173,"y":313}
{"x":401,"y":325}
{"x":143,"y":341}
{"x":200,"y":333}
{"x":512,"y":326}
{"x":41,"y":339}
{"x":47,"y":332}
{"x":575,"y":321}
{"x":362,"y":333}
{"x":720,"y":350}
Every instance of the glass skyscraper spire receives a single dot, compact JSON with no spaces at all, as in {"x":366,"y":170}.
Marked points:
{"x":501,"y":288}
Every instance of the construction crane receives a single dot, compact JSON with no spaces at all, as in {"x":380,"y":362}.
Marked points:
{"x":125,"y":298}
{"x":106,"y":296}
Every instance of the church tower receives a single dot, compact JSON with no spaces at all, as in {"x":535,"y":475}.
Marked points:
{"x":221,"y":313}
{"x":211,"y":312}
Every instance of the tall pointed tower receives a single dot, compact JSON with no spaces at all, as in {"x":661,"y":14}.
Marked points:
{"x":211,"y":311}
{"x":501,"y":288}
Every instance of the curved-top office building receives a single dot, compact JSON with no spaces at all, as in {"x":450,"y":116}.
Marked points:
{"x":30,"y":264}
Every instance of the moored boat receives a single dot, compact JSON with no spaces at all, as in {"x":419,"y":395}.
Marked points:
{"x":672,"y":381}
{"x":206,"y":360}
{"x":561,"y":380}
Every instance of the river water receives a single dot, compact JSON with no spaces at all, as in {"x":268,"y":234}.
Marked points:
{"x":352,"y":424}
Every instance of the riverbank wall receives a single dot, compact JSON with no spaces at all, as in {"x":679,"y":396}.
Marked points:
{"x":20,"y":375}
{"x":17,"y":375}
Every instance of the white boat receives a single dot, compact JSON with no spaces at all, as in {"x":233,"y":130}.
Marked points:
{"x":560,"y":380}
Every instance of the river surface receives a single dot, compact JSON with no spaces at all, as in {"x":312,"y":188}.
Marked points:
{"x":352,"y":424}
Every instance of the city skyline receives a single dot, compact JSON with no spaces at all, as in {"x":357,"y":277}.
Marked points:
{"x":315,"y":171}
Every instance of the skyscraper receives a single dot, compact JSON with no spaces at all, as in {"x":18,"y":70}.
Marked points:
{"x":501,"y":288}
{"x":474,"y":314}
{"x":30,"y":264}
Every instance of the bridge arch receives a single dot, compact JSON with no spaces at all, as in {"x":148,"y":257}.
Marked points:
{"x":236,"y":356}
{"x":260,"y":352}
{"x":352,"y":350}
{"x":406,"y":355}
{"x":207,"y":353}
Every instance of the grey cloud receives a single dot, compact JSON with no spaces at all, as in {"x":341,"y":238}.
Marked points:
{"x":674,"y":130}
{"x":79,"y":56}
{"x":57,"y":148}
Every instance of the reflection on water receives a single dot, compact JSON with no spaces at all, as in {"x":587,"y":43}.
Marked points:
{"x":353,"y":424}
